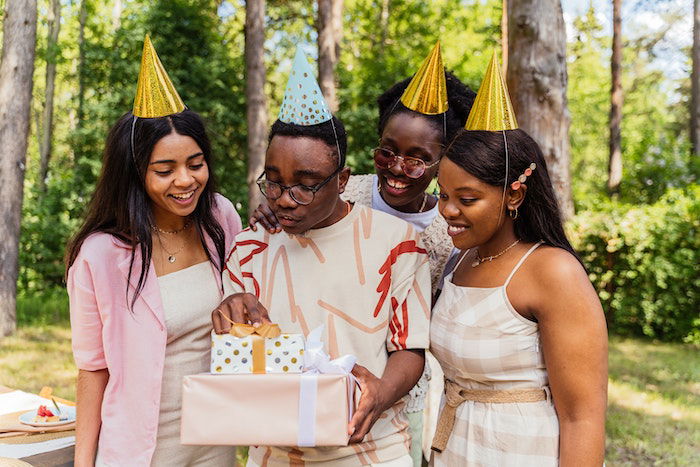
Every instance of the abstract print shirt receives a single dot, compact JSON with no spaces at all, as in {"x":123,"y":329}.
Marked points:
{"x":367,"y":279}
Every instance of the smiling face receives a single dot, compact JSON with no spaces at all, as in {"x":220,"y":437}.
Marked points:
{"x":471,"y":207}
{"x":175,"y":178}
{"x":408,"y":135}
{"x":308,"y":161}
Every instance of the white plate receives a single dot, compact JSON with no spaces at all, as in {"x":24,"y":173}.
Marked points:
{"x":28,"y":417}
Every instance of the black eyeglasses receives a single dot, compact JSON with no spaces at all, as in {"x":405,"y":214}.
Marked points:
{"x":413,"y":167}
{"x":301,"y":194}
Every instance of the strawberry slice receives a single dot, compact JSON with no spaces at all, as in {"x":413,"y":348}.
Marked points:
{"x":48,"y":413}
{"x":40,"y":411}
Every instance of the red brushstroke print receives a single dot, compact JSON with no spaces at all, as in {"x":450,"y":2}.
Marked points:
{"x":255,"y":283}
{"x":260,"y":247}
{"x":408,"y":246}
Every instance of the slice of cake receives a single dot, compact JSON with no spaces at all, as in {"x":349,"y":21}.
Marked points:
{"x":44,"y":415}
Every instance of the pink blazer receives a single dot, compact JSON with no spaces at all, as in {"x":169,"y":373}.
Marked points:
{"x":130,"y":345}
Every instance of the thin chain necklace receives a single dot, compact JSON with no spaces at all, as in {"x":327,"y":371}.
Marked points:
{"x":480,"y":260}
{"x":170,"y":232}
{"x":171,"y":255}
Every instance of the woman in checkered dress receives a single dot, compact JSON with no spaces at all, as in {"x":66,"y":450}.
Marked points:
{"x":518,"y":330}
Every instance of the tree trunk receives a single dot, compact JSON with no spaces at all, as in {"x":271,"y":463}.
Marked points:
{"x":16,"y":68}
{"x":256,"y":102}
{"x":45,"y":146}
{"x":117,"y":14}
{"x":384,"y":14}
{"x":537,"y":83}
{"x":616,"y":97}
{"x":81,"y":62}
{"x":337,"y":20}
{"x":695,"y":84}
{"x":327,"y":25}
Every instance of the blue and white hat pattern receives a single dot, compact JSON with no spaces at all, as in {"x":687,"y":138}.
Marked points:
{"x":303,"y":102}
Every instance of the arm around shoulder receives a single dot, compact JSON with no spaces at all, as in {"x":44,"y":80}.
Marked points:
{"x":574,"y":341}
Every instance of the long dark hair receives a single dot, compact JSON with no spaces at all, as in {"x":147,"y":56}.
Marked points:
{"x":120,"y":205}
{"x":482,"y":154}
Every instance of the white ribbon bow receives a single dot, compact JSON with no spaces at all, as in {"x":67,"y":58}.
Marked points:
{"x":317,"y":361}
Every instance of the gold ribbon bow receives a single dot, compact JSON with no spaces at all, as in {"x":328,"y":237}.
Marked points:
{"x":257,"y":336}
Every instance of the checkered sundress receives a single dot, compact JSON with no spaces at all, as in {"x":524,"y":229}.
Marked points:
{"x":481,"y":342}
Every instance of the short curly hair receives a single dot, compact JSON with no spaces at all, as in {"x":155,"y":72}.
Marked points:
{"x":325,"y":132}
{"x":459,"y":99}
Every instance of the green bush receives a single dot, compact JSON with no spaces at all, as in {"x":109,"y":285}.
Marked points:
{"x":644,"y":262}
{"x":38,"y":308}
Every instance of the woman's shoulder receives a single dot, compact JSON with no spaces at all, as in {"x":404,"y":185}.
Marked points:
{"x":552,"y":266}
{"x":222,"y":204}
{"x":101,"y":244}
{"x":100,"y":251}
{"x":226,"y":213}
{"x":359,"y":189}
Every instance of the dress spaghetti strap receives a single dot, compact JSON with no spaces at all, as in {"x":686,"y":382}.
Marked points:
{"x":464,"y":255}
{"x":520,"y":263}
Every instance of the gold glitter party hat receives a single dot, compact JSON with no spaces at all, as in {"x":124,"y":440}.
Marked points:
{"x":427,"y":91}
{"x":492,"y":110}
{"x":155,"y":94}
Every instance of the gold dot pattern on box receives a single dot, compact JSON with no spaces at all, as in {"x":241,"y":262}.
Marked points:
{"x":232,"y":355}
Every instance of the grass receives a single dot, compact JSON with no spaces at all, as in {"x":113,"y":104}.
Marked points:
{"x":654,"y":391}
{"x":37,"y":356}
{"x":654,"y":404}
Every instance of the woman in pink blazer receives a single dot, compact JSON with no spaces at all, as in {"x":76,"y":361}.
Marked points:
{"x":144,"y":273}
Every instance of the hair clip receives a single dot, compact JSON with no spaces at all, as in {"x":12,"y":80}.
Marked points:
{"x":523,"y":177}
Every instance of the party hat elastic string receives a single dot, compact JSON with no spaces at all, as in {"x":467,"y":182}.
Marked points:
{"x":493,"y":111}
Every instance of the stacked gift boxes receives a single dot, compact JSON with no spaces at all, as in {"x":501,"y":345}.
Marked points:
{"x":259,"y":394}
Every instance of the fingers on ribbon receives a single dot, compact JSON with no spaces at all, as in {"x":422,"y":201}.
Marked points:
{"x":219,"y":317}
{"x":256,"y":312}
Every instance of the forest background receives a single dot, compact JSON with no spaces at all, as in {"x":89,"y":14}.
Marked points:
{"x":628,"y":161}
{"x":639,"y":239}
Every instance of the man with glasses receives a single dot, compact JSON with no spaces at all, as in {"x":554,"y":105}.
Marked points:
{"x":362,"y":273}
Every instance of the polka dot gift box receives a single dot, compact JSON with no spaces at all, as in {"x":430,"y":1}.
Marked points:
{"x":254,"y":353}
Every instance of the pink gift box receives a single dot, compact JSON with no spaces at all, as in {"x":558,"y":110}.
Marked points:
{"x":266,"y":409}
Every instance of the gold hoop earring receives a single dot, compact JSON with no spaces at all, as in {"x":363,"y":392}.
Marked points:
{"x":513,"y":213}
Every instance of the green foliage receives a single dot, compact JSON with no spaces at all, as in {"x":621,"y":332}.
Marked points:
{"x":645,"y":263}
{"x":42,"y":308}
{"x":647,"y":289}
{"x":655,"y":143}
{"x":206,"y":70}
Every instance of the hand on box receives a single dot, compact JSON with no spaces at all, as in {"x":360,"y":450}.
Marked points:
{"x":238,"y":308}
{"x":371,"y":406}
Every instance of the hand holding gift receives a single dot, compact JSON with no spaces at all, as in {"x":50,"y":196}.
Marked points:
{"x":255,"y":349}
{"x":371,"y":406}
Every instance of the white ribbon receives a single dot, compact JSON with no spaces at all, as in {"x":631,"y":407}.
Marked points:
{"x":317,"y":361}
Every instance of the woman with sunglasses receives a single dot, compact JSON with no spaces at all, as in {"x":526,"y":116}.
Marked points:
{"x":410,"y":146}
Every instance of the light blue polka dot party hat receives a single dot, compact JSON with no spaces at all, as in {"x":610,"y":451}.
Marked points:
{"x":303,"y":102}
